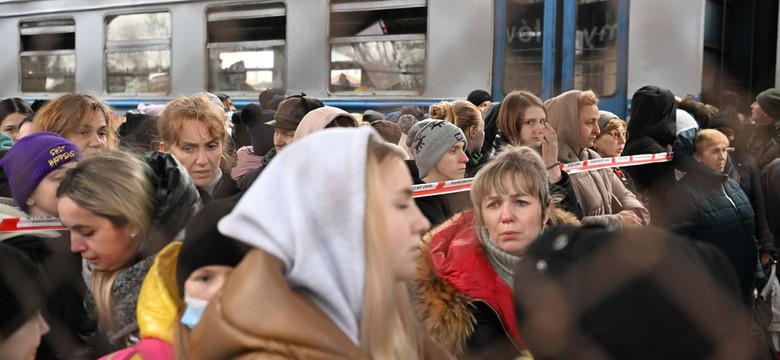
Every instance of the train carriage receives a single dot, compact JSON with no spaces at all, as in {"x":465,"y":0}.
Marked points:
{"x":355,"y":54}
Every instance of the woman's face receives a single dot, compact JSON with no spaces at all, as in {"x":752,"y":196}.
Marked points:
{"x":611,"y":143}
{"x":92,"y":136}
{"x":513,"y":220}
{"x":205,"y":282}
{"x":476,"y":136}
{"x":531,"y":126}
{"x":10,"y":125}
{"x":404,"y":222}
{"x":589,"y":125}
{"x":105,"y":246}
{"x":23,"y":344}
{"x":198,"y":151}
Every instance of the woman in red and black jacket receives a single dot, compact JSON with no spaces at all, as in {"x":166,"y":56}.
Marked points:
{"x":464,"y":282}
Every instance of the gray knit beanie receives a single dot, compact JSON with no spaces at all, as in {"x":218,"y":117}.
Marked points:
{"x":430,"y":140}
{"x":605,"y":117}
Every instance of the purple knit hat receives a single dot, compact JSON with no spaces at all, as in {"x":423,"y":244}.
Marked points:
{"x":32,"y":158}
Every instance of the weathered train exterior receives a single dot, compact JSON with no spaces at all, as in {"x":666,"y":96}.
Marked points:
{"x":459,"y":46}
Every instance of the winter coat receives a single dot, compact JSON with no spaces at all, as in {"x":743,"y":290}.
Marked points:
{"x":460,"y":300}
{"x":710,"y":207}
{"x":71,"y":328}
{"x":595,"y":190}
{"x":770,"y":178}
{"x":743,"y":169}
{"x":258,"y":316}
{"x":652,"y":128}
{"x":435,"y":208}
{"x":157,"y":311}
{"x":625,"y":179}
{"x":764,"y":143}
{"x":226,"y":187}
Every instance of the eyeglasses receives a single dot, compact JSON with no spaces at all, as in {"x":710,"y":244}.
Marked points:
{"x":617,"y":134}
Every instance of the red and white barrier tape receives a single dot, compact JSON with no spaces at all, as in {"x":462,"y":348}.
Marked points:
{"x":421,"y":190}
{"x":31,"y":223}
{"x":453,"y":186}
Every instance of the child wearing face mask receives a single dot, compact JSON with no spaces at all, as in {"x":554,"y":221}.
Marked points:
{"x":184,"y":277}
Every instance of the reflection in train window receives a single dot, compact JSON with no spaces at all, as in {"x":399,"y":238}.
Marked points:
{"x":246,"y":47}
{"x":524,"y":43}
{"x":595,"y":54}
{"x":138,"y":53}
{"x":378,"y":46}
{"x":47,"y":55}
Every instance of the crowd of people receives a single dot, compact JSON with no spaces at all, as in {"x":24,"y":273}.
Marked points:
{"x":291,"y":229}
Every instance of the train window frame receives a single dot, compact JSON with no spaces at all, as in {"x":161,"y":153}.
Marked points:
{"x":47,"y":26}
{"x":137,"y":46}
{"x":277,"y":46}
{"x":376,"y":33}
{"x":582,"y":76}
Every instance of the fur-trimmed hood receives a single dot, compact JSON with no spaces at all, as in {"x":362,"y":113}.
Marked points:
{"x":441,"y":308}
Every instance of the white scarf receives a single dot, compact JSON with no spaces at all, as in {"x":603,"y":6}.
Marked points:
{"x":308,"y":209}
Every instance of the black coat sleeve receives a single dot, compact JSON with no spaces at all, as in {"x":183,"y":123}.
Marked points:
{"x":763,"y":235}
{"x":433,"y":208}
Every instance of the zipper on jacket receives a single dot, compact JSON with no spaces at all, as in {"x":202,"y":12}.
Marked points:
{"x":736,"y":209}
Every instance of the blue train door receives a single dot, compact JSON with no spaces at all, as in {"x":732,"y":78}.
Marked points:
{"x":551,"y":46}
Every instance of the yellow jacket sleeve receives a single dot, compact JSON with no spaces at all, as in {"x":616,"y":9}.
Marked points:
{"x":159,"y":301}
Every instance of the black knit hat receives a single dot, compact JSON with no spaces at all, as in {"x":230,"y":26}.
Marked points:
{"x":20,"y":295}
{"x":769,"y":100}
{"x":204,"y":245}
{"x":477,"y":97}
{"x":633,"y":293}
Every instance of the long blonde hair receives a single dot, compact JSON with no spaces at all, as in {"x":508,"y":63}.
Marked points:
{"x":388,"y":328}
{"x":114,"y":185}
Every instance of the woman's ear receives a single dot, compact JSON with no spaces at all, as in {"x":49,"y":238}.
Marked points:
{"x":163,"y":148}
{"x":472,"y":131}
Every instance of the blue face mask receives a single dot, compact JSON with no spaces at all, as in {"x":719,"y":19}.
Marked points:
{"x":194,"y":311}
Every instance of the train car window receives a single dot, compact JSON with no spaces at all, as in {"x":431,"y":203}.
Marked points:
{"x":523,"y":44}
{"x":378,"y":46}
{"x":138,"y":53}
{"x":596,"y":46}
{"x":246,"y":47}
{"x":47,"y":55}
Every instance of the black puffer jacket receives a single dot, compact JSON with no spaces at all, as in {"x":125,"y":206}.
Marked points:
{"x":710,"y":207}
{"x":651,"y":130}
{"x":744,"y":170}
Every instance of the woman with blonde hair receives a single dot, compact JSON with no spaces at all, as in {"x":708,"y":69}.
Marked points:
{"x":330,"y":263}
{"x":121,"y":211}
{"x":468,"y":118}
{"x":192,"y":129}
{"x":83,"y":119}
{"x":465,"y":276}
